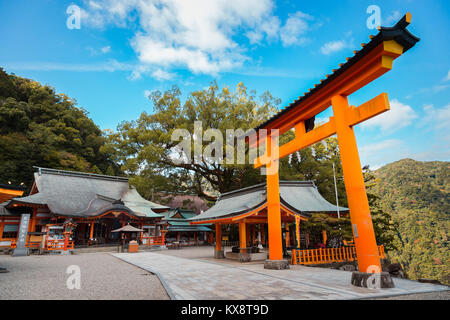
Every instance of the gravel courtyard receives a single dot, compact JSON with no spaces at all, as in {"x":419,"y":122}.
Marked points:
{"x":102,"y":277}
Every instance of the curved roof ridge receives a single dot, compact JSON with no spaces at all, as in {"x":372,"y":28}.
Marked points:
{"x":42,"y":170}
{"x":259,"y":185}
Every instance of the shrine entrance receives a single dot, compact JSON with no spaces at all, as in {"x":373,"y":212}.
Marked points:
{"x":373,"y":60}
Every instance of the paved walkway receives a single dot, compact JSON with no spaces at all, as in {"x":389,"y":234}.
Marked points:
{"x":199,"y":278}
{"x":103,"y":277}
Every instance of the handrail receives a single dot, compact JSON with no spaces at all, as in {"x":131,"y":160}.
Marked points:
{"x":29,"y":244}
{"x":58,"y":245}
{"x":153,"y":241}
{"x":328,"y":255}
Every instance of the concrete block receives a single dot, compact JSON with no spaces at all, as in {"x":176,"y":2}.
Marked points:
{"x":371,"y":280}
{"x":219,"y":254}
{"x":276,"y":264}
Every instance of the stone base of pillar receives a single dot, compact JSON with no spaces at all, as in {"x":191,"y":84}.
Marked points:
{"x":276,"y":264}
{"x":219,"y":254}
{"x":371,"y":280}
{"x":244,"y":257}
{"x":19,"y":252}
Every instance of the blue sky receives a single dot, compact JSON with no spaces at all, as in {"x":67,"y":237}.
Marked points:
{"x":125,"y":49}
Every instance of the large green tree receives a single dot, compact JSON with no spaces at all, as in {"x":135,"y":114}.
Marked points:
{"x":145,"y":147}
{"x":41,"y":128}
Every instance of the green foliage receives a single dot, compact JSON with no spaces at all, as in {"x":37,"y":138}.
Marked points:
{"x":385,"y":227}
{"x":144,"y":146}
{"x":332,"y":225}
{"x":416,"y":195}
{"x":41,"y":128}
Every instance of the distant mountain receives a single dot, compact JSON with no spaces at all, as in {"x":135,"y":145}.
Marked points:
{"x":416,"y":195}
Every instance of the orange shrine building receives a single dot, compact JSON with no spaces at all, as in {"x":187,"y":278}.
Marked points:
{"x":247,"y":208}
{"x":73,"y":209}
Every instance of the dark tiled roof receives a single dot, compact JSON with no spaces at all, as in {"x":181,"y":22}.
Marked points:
{"x":80,"y":194}
{"x":185,"y":201}
{"x":182,"y":224}
{"x":301,"y":197}
{"x":399,"y":33}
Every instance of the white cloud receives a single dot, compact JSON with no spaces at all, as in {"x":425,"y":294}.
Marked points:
{"x":197,"y":34}
{"x":334,"y":46}
{"x":400,"y":115}
{"x":437,"y":118}
{"x":269,"y":28}
{"x":108,"y":66}
{"x":375,"y":148}
{"x":94,"y":4}
{"x":162,"y":75}
{"x":447,"y":78}
{"x":338,"y":45}
{"x":379,"y":153}
{"x":392,"y":18}
{"x":97,"y":52}
{"x":296,"y":26}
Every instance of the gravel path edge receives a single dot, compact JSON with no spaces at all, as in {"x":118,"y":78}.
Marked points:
{"x":160,"y":277}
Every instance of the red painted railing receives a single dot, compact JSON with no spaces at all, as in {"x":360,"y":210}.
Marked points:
{"x":328,"y":255}
{"x":153,"y":241}
{"x":58,"y":245}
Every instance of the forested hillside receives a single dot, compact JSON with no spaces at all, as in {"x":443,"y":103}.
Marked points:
{"x":416,"y":194}
{"x":41,"y":128}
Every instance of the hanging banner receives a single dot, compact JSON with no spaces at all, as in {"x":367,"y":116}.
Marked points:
{"x":297,"y":230}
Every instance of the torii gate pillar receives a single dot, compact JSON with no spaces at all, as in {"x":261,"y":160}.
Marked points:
{"x":363,"y":233}
{"x":275,"y":260}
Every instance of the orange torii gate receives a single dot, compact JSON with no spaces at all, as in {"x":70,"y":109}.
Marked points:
{"x":373,"y":60}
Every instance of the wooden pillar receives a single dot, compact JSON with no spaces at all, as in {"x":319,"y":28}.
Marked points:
{"x":253,"y":234}
{"x":324,"y":236}
{"x":32,"y":227}
{"x":242,"y":236}
{"x":2,"y":223}
{"x":263,"y":233}
{"x":218,"y":237}
{"x":178,"y":236}
{"x":247,"y":235}
{"x":91,"y":233}
{"x":297,"y":231}
{"x":288,"y":240}
{"x":307,"y":239}
{"x":273,"y":208}
{"x":363,"y":233}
